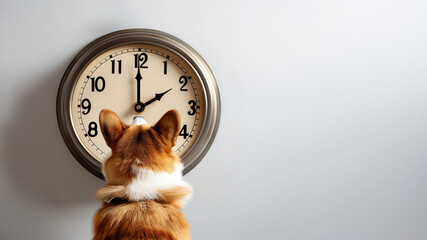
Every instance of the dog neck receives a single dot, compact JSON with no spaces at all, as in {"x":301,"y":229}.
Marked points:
{"x":147,"y":184}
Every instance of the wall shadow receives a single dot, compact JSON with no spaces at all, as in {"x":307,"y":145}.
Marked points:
{"x":39,"y":164}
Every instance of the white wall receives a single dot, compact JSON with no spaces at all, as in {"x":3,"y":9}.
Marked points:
{"x":324,"y":124}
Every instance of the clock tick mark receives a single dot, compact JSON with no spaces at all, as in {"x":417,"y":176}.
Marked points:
{"x":189,"y":77}
{"x":87,"y":76}
{"x":139,"y":49}
{"x":111,"y":56}
{"x":167,"y":56}
{"x":86,"y":135}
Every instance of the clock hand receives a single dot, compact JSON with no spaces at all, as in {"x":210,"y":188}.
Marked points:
{"x":157,"y":97}
{"x":139,"y":106}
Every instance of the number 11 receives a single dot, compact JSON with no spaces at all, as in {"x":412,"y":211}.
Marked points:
{"x":113,"y":66}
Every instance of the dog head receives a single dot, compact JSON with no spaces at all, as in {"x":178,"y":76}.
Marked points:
{"x":139,"y":146}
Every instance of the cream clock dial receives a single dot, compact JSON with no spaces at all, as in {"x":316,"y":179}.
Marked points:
{"x":137,"y":79}
{"x":137,"y":72}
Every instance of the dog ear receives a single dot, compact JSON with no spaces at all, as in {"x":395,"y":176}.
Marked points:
{"x":112,"y":126}
{"x":168,"y":127}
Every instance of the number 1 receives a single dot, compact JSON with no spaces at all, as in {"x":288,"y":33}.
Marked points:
{"x":165,"y":69}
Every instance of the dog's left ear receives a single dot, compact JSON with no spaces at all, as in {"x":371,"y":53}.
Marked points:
{"x":168,"y":127}
{"x":112,"y":126}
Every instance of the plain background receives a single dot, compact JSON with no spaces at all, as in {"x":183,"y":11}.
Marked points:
{"x":323,"y":132}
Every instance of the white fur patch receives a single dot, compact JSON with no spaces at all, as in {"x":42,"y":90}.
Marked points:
{"x":138,"y":120}
{"x":147,"y":183}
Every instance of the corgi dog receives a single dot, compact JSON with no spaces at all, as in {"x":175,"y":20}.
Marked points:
{"x":144,"y":189}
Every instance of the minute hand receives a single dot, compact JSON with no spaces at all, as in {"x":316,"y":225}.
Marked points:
{"x":157,"y":97}
{"x":139,"y":106}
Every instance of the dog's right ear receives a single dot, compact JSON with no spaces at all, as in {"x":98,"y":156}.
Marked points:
{"x":112,"y":126}
{"x":168,"y":127}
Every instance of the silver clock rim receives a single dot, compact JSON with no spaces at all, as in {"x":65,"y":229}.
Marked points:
{"x":131,"y":36}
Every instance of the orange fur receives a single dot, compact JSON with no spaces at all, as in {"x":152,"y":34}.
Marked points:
{"x":140,"y":221}
{"x":175,"y":196}
{"x":150,"y":149}
{"x":111,"y":191}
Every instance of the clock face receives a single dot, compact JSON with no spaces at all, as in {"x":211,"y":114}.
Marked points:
{"x":166,"y":81}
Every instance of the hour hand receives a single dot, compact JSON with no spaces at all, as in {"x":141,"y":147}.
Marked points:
{"x":157,"y":97}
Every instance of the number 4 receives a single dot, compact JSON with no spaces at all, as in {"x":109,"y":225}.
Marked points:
{"x":184,"y":132}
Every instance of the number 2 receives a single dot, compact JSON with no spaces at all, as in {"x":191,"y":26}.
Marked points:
{"x":183,"y":80}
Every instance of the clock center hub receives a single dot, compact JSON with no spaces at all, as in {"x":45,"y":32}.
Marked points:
{"x":139,"y":107}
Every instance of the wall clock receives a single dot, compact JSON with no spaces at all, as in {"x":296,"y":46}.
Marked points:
{"x":137,"y":72}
